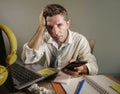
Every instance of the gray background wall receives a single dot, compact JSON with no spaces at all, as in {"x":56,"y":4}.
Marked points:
{"x":97,"y":19}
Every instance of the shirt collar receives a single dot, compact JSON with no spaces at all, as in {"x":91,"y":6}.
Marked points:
{"x":69,"y":39}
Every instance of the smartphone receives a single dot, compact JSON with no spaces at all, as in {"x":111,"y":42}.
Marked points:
{"x":71,"y":65}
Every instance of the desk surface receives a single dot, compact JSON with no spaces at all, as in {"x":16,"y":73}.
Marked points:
{"x":47,"y":84}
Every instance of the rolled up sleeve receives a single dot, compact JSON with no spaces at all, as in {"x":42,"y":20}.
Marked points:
{"x":91,"y":64}
{"x":30,"y":56}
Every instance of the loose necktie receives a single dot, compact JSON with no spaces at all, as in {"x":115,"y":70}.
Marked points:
{"x":57,"y":53}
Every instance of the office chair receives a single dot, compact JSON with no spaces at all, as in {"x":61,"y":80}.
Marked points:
{"x":92,"y":44}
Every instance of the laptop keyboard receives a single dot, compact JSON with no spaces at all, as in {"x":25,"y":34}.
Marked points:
{"x":23,"y":75}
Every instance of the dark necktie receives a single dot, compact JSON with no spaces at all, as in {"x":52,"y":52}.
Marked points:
{"x":57,"y":53}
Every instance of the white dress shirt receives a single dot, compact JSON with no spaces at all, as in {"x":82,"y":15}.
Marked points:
{"x":77,"y":47}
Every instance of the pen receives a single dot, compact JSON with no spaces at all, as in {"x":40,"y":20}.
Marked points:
{"x":80,"y":86}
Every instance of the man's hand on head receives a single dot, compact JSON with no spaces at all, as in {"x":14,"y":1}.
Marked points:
{"x":42,"y":20}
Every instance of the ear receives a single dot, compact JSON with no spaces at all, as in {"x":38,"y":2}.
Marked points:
{"x":68,"y":23}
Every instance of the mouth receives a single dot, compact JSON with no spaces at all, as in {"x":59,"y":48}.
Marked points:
{"x":57,"y":38}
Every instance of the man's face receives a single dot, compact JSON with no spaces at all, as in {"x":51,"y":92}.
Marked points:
{"x":58,"y":27}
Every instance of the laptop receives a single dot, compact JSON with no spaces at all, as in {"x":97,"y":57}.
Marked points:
{"x":22,"y":76}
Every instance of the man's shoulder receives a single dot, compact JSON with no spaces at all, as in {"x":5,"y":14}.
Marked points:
{"x":76,"y":35}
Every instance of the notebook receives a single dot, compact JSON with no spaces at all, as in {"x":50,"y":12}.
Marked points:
{"x":102,"y":83}
{"x":22,"y":76}
{"x":94,"y":84}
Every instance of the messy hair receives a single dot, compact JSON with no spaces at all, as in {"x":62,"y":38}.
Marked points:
{"x":55,"y":9}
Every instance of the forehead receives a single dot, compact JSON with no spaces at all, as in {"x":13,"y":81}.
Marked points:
{"x":55,"y":19}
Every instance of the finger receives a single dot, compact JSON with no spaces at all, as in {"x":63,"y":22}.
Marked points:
{"x":79,"y":72}
{"x":67,"y":71}
{"x":78,"y":69}
{"x":42,"y":19}
{"x":72,"y":60}
{"x":82,"y":68}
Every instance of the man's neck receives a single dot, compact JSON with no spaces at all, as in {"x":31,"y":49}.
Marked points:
{"x":59,"y":44}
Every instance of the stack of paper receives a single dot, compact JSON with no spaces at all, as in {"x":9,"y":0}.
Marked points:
{"x":63,"y":78}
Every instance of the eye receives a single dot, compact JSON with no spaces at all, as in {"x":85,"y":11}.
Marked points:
{"x":49,"y":27}
{"x":59,"y":25}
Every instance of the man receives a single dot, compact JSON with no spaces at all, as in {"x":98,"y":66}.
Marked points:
{"x":59,"y":44}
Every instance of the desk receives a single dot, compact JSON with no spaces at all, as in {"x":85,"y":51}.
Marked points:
{"x":47,"y":84}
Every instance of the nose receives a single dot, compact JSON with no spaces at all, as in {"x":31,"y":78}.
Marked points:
{"x":56,"y":30}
